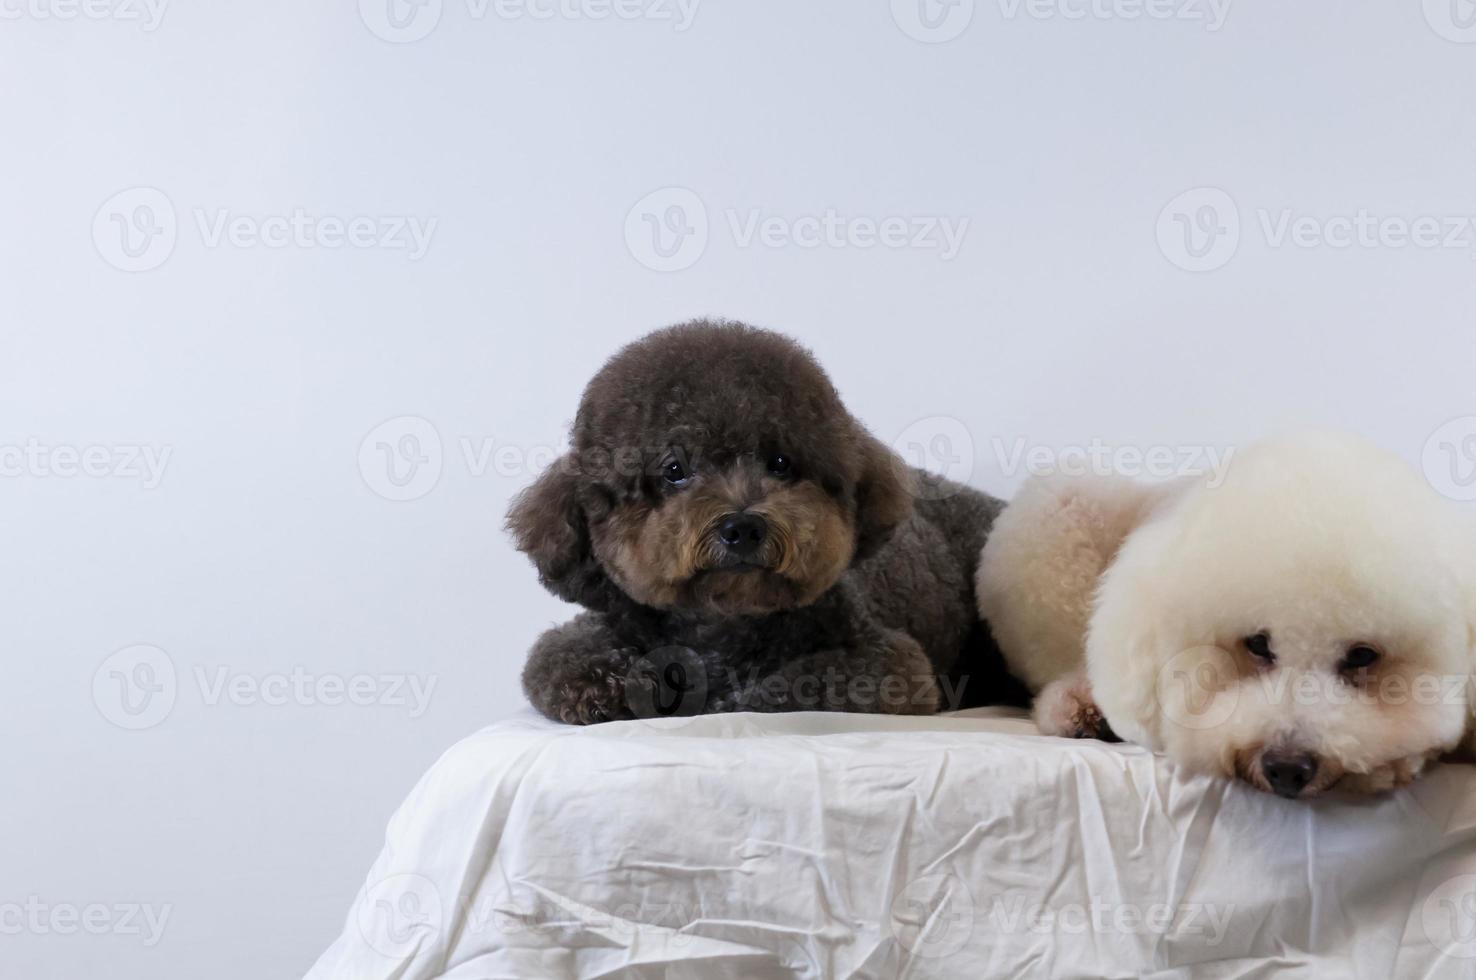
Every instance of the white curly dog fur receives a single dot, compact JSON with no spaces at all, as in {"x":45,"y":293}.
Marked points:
{"x":1311,"y":621}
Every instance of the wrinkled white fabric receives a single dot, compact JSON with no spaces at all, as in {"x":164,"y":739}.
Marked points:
{"x":821,"y":845}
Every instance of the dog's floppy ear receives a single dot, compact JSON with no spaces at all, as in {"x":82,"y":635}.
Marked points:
{"x":883,"y":496}
{"x":548,"y":522}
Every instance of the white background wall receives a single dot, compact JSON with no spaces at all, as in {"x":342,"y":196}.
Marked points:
{"x":266,"y":545}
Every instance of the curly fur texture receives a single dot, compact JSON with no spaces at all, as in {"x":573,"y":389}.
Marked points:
{"x":858,"y":597}
{"x":1218,"y":624}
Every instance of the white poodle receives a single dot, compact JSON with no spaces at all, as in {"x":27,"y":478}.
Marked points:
{"x":1310,"y":621}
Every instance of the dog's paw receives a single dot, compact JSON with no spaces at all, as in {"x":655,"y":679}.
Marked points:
{"x":596,"y":696}
{"x":1065,"y":707}
{"x":1385,"y":778}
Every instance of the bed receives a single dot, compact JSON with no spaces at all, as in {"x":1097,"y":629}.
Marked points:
{"x":850,"y":846}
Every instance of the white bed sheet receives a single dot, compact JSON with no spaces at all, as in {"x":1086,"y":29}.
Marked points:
{"x":966,"y":845}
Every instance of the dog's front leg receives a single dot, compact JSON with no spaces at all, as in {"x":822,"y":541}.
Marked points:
{"x":576,"y":673}
{"x":1066,"y":707}
{"x":884,"y":672}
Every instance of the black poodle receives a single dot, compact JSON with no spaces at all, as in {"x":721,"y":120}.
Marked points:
{"x":741,"y":543}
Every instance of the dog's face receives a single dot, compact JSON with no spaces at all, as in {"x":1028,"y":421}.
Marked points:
{"x":1305,"y":625}
{"x":713,"y":469}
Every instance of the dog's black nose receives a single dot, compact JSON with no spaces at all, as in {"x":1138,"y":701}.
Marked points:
{"x":742,"y":534}
{"x":1288,"y":774}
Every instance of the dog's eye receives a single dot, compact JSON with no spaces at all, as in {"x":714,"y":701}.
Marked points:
{"x":674,"y":473}
{"x":1359,"y":656}
{"x":1259,"y":644}
{"x":780,"y":465}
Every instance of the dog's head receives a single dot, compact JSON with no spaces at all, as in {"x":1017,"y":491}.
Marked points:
{"x":1305,"y":624}
{"x":713,"y":468}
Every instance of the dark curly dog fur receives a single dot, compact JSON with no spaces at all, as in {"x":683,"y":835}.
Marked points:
{"x":741,"y":543}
